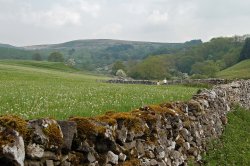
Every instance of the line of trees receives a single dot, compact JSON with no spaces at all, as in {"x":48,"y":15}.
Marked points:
{"x":53,"y":57}
{"x":245,"y":52}
{"x":37,"y":57}
{"x":56,"y":57}
{"x":201,"y":61}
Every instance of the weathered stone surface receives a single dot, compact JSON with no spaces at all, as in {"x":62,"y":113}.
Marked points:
{"x":69,"y":131}
{"x":130,"y":145}
{"x":112,"y":158}
{"x":94,"y":164}
{"x":66,"y":163}
{"x":57,"y":163}
{"x":33,"y":163}
{"x":46,"y":132}
{"x":150,"y":154}
{"x":130,"y":136}
{"x":122,"y":134}
{"x":83,"y":147}
{"x":161,"y":155}
{"x":50,"y":156}
{"x":13,"y":149}
{"x":186,"y":145}
{"x":34,"y":151}
{"x":153,"y":162}
{"x":140,"y":148}
{"x":122,"y":157}
{"x":235,"y":85}
{"x":91,"y":157}
{"x":38,"y":136}
{"x":49,"y":163}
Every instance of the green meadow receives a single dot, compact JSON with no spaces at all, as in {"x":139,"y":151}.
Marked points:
{"x":33,"y":89}
{"x":239,"y":71}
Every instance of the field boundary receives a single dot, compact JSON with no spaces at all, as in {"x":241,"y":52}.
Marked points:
{"x":211,"y":81}
{"x":165,"y":134}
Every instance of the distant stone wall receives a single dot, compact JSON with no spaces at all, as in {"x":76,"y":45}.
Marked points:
{"x":165,"y":134}
{"x":212,"y":81}
{"x":122,"y":81}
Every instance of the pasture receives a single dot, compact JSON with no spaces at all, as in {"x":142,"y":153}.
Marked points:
{"x":239,"y":71}
{"x":42,"y":89}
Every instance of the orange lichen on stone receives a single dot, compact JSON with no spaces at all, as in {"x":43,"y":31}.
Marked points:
{"x":180,"y":140}
{"x":195,"y":105}
{"x":174,"y":107}
{"x":131,"y":121}
{"x":6,"y":137}
{"x":54,"y":134}
{"x":8,"y":123}
{"x":106,"y":119}
{"x":146,"y":116}
{"x":132,"y":162}
{"x":163,"y":110}
{"x":187,"y":122}
{"x":86,"y":126}
{"x":15,"y":123}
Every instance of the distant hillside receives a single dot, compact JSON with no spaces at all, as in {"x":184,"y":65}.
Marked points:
{"x":6,"y":45}
{"x":105,"y":43}
{"x":93,"y":53}
{"x":192,"y":57}
{"x":96,"y":53}
{"x":240,"y":70}
{"x":11,"y":52}
{"x":58,"y":66}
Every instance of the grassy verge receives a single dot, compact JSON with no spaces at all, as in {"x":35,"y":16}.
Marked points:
{"x":198,"y":85}
{"x":233,"y":148}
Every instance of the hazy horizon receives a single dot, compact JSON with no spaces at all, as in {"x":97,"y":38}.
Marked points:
{"x":95,"y":39}
{"x":27,"y":22}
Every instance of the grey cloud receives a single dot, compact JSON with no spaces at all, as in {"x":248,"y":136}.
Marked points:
{"x":34,"y":22}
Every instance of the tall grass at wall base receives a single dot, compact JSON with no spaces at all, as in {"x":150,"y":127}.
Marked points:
{"x":199,"y":85}
{"x":233,"y":148}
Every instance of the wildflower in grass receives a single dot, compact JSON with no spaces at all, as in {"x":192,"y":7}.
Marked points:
{"x":33,"y":94}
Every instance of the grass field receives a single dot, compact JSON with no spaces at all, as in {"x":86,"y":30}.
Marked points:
{"x":233,"y":148}
{"x":240,"y":70}
{"x":39,"y":64}
{"x":42,"y":89}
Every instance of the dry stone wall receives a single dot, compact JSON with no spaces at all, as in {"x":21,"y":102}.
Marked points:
{"x":166,"y":134}
{"x":212,"y":81}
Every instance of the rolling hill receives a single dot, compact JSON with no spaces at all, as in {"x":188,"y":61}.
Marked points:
{"x":11,"y":52}
{"x":56,"y":66}
{"x":6,"y":45}
{"x":109,"y":44}
{"x":240,"y":70}
{"x":93,"y":53}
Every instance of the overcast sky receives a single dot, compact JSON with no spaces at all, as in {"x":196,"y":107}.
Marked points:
{"x":29,"y":22}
